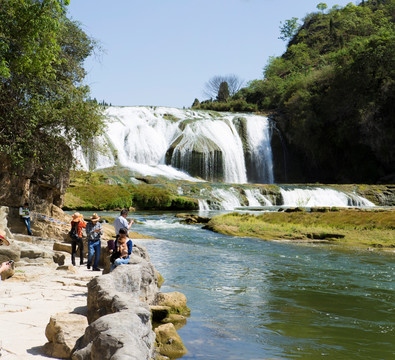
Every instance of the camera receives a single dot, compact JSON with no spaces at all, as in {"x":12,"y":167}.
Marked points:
{"x":10,"y":262}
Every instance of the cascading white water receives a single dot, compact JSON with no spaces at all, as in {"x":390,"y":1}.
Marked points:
{"x":255,"y":198}
{"x":322,"y":197}
{"x":261,"y":152}
{"x":205,"y":134}
{"x":139,"y":138}
{"x":228,"y":198}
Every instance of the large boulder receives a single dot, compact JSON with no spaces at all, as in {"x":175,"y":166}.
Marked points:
{"x":11,"y":252}
{"x":169,"y":342}
{"x":119,"y":320}
{"x":62,"y":332}
{"x":108,"y":291}
{"x":176,"y":301}
{"x":125,"y":335}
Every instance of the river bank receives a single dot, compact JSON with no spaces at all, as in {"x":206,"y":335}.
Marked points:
{"x":352,"y":227}
{"x":65,"y":311}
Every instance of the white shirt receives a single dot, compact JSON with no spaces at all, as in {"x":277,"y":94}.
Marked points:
{"x":119,"y":223}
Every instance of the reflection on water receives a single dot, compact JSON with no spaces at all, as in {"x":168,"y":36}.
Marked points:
{"x":252,"y":299}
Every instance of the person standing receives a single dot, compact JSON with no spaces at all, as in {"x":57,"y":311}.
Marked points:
{"x":121,"y":222}
{"x":25,"y":213}
{"x":94,"y":231}
{"x":77,"y":224}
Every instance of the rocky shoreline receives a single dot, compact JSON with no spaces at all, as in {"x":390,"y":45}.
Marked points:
{"x":117,"y":315}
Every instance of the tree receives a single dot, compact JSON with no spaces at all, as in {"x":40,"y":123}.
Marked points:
{"x":322,"y":7}
{"x":223,"y":92}
{"x":44,"y":107}
{"x":196,"y":103}
{"x":211,"y":87}
{"x":289,"y":29}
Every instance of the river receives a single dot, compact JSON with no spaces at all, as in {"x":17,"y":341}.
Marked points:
{"x":252,"y":299}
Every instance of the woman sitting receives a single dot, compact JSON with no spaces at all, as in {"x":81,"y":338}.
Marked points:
{"x":123,"y":249}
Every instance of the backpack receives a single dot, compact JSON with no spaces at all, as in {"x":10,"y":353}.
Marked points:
{"x":73,"y":233}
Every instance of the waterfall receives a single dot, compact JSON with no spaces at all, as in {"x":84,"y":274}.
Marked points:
{"x":258,"y":141}
{"x":255,"y":198}
{"x":212,"y":138}
{"x":184,"y":144}
{"x":230,"y":198}
{"x":322,"y":197}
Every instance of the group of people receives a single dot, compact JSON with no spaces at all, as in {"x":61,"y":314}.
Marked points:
{"x":120,"y":249}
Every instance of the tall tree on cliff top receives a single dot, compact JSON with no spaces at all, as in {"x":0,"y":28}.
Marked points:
{"x":43,"y":107}
{"x":211,"y":88}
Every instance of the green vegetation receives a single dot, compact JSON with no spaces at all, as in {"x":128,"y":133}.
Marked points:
{"x":332,"y":93}
{"x":342,"y":226}
{"x":95,"y":191}
{"x":43,"y":107}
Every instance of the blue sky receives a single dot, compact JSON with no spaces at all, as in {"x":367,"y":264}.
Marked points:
{"x":162,"y":52}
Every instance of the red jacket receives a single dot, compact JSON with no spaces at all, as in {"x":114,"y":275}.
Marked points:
{"x":80,"y":224}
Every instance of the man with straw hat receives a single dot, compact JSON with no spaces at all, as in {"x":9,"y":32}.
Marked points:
{"x":76,"y":237}
{"x":94,"y":231}
{"x":3,"y":241}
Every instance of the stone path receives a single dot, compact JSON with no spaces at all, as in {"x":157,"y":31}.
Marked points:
{"x":30,"y":297}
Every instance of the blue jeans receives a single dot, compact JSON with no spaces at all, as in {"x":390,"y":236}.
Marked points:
{"x":27,"y":223}
{"x":119,"y":261}
{"x":94,"y":248}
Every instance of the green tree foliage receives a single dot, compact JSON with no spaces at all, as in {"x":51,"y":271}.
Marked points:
{"x":288,"y":29}
{"x":322,"y":7}
{"x":43,"y":107}
{"x":333,"y":92}
{"x":196,"y":103}
{"x":223,"y":92}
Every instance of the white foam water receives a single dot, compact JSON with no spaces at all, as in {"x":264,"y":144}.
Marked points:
{"x":139,"y":138}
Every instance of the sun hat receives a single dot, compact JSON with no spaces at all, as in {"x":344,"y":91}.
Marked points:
{"x":76,"y":216}
{"x":3,"y":240}
{"x":95,"y":217}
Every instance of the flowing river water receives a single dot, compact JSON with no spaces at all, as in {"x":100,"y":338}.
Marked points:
{"x":253,"y":299}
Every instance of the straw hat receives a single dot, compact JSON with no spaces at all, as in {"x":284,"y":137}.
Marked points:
{"x":95,"y":217}
{"x":77,"y":216}
{"x":3,"y":240}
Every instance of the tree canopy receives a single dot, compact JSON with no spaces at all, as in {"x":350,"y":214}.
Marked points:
{"x":43,"y":107}
{"x":333,"y":90}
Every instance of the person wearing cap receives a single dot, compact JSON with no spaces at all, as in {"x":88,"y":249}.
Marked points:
{"x":24,"y":212}
{"x":3,"y":241}
{"x":94,"y":231}
{"x":77,"y":224}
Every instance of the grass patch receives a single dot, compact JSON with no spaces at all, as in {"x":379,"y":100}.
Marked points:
{"x":93,"y":191}
{"x":348,"y":226}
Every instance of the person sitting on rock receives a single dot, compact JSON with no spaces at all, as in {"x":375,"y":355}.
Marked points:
{"x":123,"y":249}
{"x":3,"y":241}
{"x":94,"y":231}
{"x":25,"y":213}
{"x":76,"y":237}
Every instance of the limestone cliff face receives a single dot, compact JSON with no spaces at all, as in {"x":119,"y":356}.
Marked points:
{"x":31,"y":184}
{"x":42,"y":190}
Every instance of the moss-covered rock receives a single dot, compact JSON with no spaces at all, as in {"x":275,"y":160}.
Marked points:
{"x":169,"y":342}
